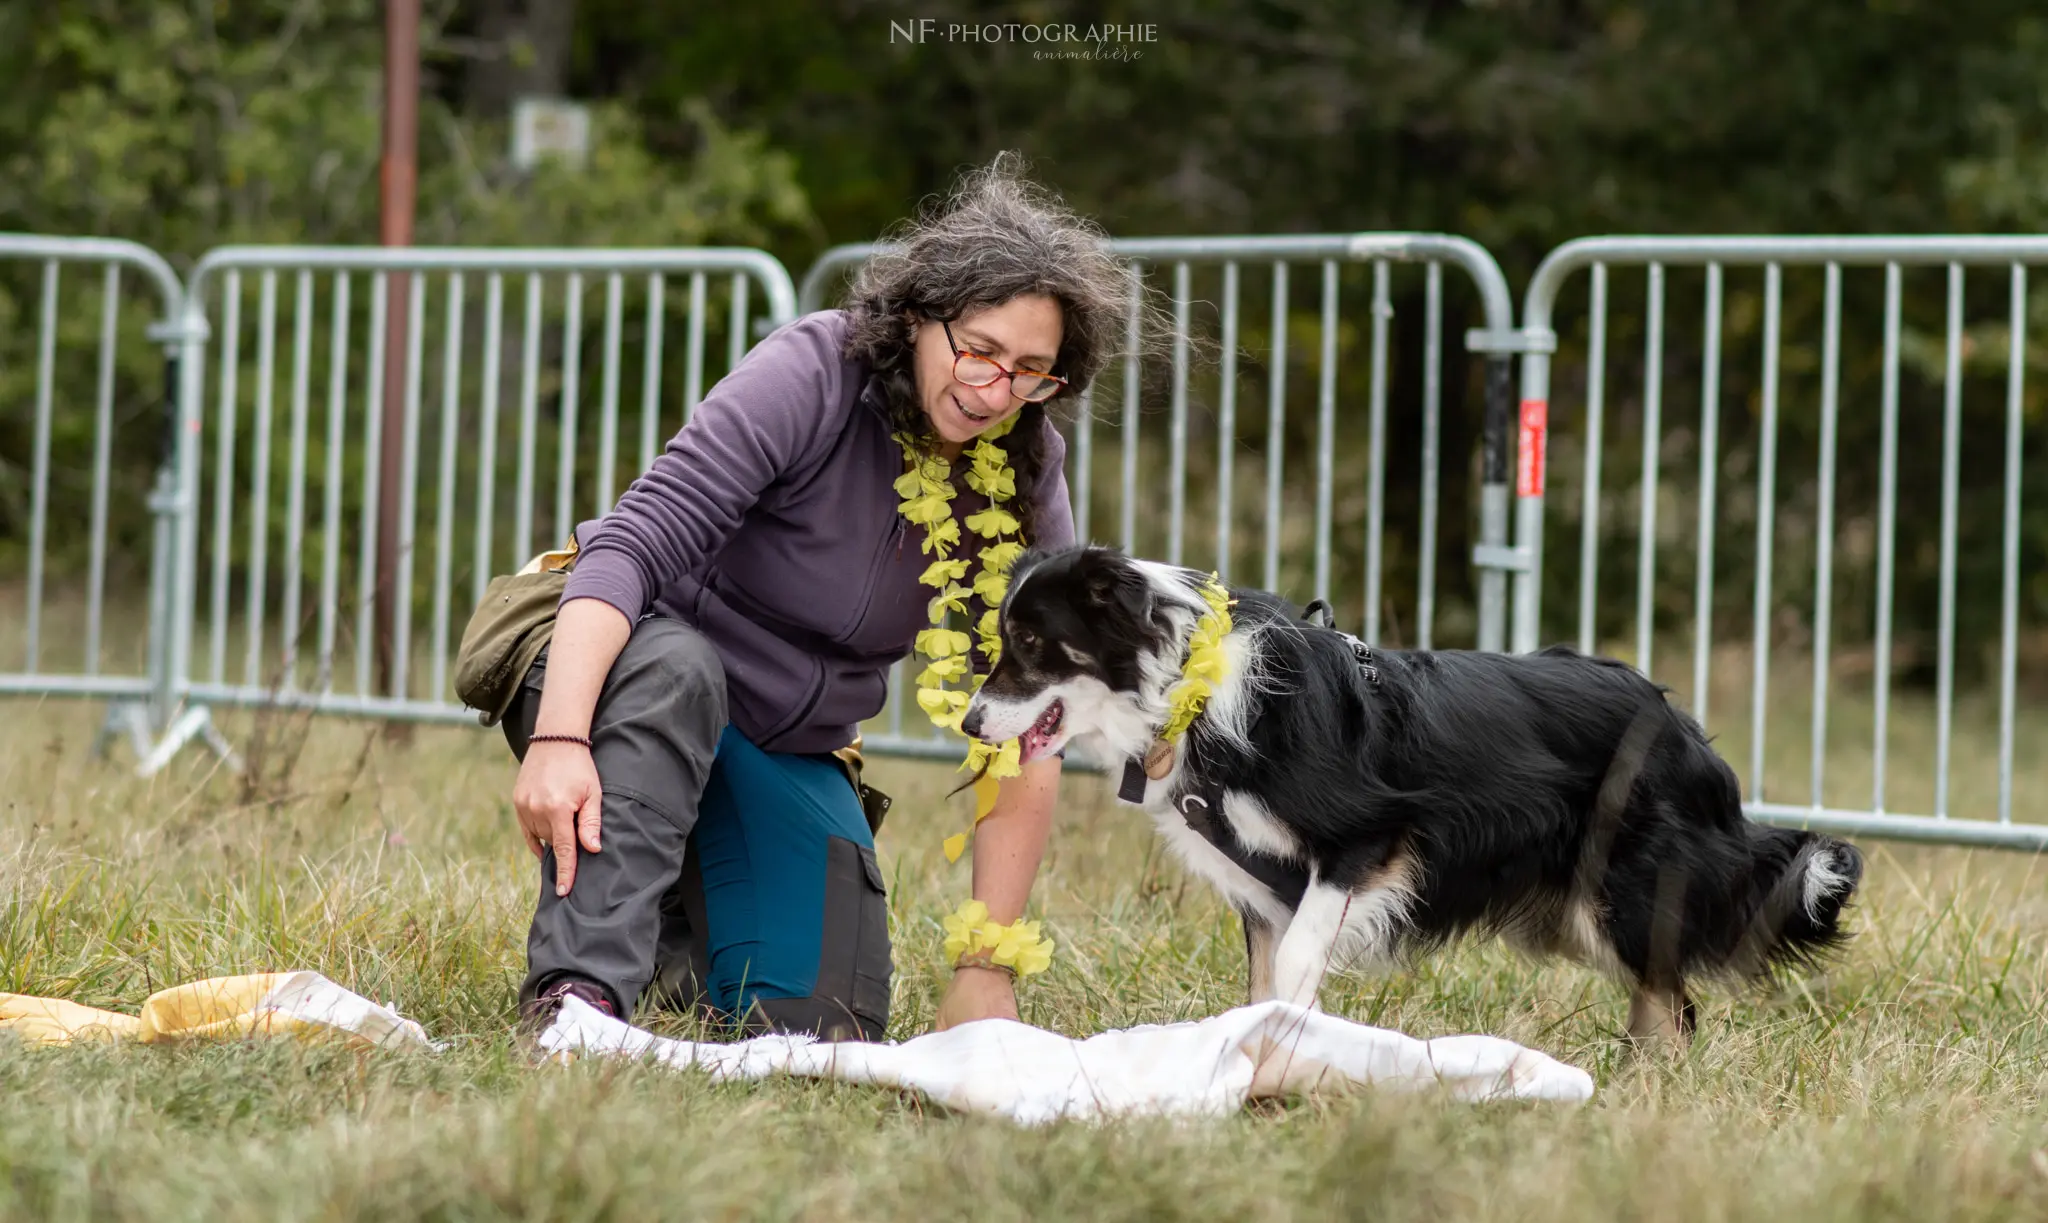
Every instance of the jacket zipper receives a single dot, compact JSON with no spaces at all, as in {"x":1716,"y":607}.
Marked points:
{"x":874,"y":576}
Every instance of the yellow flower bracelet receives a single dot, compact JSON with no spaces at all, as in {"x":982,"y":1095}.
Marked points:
{"x":1018,"y":948}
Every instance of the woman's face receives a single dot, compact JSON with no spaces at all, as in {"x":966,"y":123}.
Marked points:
{"x":1022,"y":332}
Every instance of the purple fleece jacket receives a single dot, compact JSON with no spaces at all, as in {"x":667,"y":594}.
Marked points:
{"x":769,"y":523}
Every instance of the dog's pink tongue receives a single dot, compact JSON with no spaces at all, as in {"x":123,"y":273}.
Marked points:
{"x":1034,"y":742}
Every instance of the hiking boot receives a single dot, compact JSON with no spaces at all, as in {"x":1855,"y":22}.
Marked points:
{"x":538,"y":1014}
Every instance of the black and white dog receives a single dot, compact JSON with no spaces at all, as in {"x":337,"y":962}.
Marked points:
{"x":1355,"y":804}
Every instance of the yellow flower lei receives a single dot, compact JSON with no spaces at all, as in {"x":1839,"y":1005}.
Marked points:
{"x":1205,"y":665}
{"x":1018,"y":946}
{"x":927,"y":492}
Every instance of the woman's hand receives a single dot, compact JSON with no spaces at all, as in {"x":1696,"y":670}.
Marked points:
{"x":977,"y":993}
{"x":558,"y":799}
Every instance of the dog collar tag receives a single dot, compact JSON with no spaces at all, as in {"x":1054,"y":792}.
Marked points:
{"x":1132,"y":788}
{"x":1158,"y":759}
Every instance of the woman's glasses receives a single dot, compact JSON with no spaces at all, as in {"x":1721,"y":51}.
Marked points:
{"x":975,"y":370}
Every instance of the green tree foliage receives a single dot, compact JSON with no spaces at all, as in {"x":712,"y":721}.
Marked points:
{"x":190,"y":124}
{"x":1520,"y":125}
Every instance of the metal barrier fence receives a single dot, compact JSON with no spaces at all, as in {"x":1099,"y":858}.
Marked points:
{"x":267,"y":516}
{"x":1296,"y":510}
{"x":299,"y":629}
{"x":72,"y":449}
{"x":1760,"y":317}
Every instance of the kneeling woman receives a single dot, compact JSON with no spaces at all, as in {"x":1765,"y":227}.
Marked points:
{"x":731,"y":622}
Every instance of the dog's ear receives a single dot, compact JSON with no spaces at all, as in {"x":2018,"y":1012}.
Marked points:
{"x":1113,"y":584}
{"x":1032,"y":559}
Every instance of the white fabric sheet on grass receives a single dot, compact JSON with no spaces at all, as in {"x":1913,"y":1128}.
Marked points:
{"x":1205,"y":1068}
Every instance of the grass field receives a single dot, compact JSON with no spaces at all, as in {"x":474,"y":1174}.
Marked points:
{"x":1906,"y":1083}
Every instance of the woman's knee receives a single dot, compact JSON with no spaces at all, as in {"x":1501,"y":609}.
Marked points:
{"x":662,"y":709}
{"x":667,"y":662}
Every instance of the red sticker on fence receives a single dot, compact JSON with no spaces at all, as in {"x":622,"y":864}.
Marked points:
{"x":1529,"y":454}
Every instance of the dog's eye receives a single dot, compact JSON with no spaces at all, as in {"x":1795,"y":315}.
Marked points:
{"x":1023,"y":638}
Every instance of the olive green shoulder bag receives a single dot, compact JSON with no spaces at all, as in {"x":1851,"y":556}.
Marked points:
{"x":508,"y":631}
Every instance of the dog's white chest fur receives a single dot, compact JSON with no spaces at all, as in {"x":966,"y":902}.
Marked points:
{"x":1255,"y":828}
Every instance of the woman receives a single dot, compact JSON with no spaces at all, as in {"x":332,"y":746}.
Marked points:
{"x":732,"y":620}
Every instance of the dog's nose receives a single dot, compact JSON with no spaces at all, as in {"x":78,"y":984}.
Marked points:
{"x":970,"y":722}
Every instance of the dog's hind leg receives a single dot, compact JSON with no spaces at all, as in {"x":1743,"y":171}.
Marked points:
{"x":1660,"y":1015}
{"x":1659,"y":1012}
{"x":1261,"y":940}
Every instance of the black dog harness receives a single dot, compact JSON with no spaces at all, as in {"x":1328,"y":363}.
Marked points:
{"x":1203,"y":810}
{"x":1202,"y":807}
{"x":1319,"y":614}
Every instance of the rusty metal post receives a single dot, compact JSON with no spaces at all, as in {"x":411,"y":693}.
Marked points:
{"x":399,"y":182}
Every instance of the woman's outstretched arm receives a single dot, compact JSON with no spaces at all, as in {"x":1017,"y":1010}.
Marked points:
{"x":1008,"y":846}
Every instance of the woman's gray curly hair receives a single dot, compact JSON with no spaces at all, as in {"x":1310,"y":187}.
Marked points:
{"x":998,"y":235}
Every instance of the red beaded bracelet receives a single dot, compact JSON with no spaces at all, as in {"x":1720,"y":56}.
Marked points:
{"x":558,"y":739}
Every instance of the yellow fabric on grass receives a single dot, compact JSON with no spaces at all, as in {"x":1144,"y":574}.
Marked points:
{"x":219,"y":1008}
{"x":53,"y":1021}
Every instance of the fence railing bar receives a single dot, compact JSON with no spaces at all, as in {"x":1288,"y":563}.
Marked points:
{"x":736,"y":340}
{"x":330,"y":509}
{"x":295,"y":496}
{"x":1710,"y":457}
{"x":1432,"y":456}
{"x":1596,"y":421}
{"x":444,"y":502}
{"x":1766,"y":528}
{"x":650,"y":370}
{"x":39,"y":477}
{"x":2032,"y":838}
{"x":259,"y":478}
{"x":1081,"y":484}
{"x":1951,"y":448}
{"x":1276,"y":425}
{"x":1326,"y":430}
{"x":693,"y":347}
{"x":608,"y":392}
{"x":1376,"y":442}
{"x":896,"y":698}
{"x":102,"y":464}
{"x":1887,"y":538}
{"x":1226,"y":423}
{"x":408,"y":492}
{"x":529,"y":422}
{"x":1824,"y":560}
{"x":1128,"y":505}
{"x":2009,"y":578}
{"x":482,"y":567}
{"x":572,"y":377}
{"x":1653,"y":436}
{"x":373,"y":442}
{"x":1177,"y":455}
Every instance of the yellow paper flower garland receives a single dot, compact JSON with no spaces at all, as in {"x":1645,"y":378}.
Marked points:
{"x":1205,"y":665}
{"x":1018,"y":946}
{"x":927,"y":492}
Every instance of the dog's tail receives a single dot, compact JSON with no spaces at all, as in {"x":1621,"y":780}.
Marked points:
{"x":1801,"y":884}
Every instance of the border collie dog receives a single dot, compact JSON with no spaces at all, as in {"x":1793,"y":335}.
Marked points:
{"x":1357,"y":805}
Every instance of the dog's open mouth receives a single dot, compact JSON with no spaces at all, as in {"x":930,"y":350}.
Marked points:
{"x":1038,"y":740}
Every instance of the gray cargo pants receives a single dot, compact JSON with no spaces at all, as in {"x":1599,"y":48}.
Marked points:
{"x":733,"y":882}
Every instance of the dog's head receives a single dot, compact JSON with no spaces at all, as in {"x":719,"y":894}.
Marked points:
{"x":1089,"y":644}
